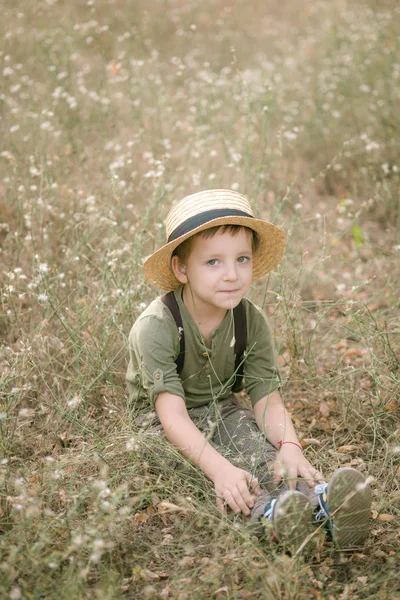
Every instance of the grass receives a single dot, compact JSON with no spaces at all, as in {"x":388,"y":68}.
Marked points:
{"x":111,"y":111}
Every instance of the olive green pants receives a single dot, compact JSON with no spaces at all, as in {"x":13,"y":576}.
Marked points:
{"x":231,"y":428}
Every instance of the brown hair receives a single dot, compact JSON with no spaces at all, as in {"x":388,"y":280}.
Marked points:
{"x":184,"y":249}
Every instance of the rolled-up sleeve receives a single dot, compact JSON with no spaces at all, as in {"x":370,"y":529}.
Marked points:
{"x":153,"y":347}
{"x":260,"y":369}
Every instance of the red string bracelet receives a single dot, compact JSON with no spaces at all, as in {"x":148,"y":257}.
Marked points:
{"x":280,"y":444}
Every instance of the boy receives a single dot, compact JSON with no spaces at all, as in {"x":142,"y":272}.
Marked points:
{"x":186,"y":361}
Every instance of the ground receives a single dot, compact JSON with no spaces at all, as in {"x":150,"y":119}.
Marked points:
{"x":110,"y":112}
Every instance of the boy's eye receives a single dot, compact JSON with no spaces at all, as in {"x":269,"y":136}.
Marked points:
{"x":212,"y":262}
{"x":243,"y":259}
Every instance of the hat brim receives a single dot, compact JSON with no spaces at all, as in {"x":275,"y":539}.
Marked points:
{"x":157,"y":268}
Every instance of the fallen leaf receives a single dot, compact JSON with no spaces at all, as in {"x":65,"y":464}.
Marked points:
{"x":348,"y":448}
{"x":186,"y":561}
{"x":221,"y":589}
{"x":151,"y":575}
{"x":324,"y":409}
{"x":354,"y":353}
{"x":310,"y":442}
{"x":391,"y":405}
{"x":356,"y":462}
{"x":140,"y":517}
{"x":386,"y":518}
{"x":156,"y":576}
{"x":166,"y":506}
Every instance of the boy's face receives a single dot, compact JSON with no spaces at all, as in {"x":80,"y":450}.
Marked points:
{"x":219,"y":270}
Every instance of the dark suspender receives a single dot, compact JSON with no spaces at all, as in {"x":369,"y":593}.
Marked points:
{"x":239,"y":319}
{"x":170,"y":301}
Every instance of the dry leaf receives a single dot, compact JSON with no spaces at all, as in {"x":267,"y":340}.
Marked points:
{"x":356,"y":462}
{"x":151,"y":575}
{"x":156,"y":576}
{"x":166,"y":506}
{"x":324,"y":409}
{"x":386,"y":518}
{"x":310,"y":442}
{"x":391,"y":405}
{"x":140,"y":517}
{"x":221,"y":589}
{"x":186,"y":561}
{"x":348,"y":448}
{"x":354,"y":353}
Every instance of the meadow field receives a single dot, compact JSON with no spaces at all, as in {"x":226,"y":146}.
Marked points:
{"x":111,"y":111}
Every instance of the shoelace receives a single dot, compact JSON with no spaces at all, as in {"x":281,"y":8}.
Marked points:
{"x":268,"y":514}
{"x":269,"y":509}
{"x":320,"y":489}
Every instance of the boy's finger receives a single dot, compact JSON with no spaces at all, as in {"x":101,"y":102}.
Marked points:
{"x":237,"y":498}
{"x":221,"y":506}
{"x":312,"y":476}
{"x":235,"y":503}
{"x":278,"y":472}
{"x":292,"y":480}
{"x":244,"y":495}
{"x":255,"y":486}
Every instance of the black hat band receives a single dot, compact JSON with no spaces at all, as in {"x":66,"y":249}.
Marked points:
{"x":205,"y":217}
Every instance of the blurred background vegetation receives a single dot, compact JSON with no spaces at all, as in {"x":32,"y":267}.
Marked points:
{"x":110,"y":111}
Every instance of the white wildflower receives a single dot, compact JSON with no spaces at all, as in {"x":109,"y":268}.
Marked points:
{"x":74,"y":402}
{"x":132,"y":445}
{"x":372,"y":146}
{"x":15,"y":593}
{"x":43,"y":268}
{"x":289,"y":135}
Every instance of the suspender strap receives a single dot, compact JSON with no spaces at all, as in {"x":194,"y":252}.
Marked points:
{"x":170,"y":301}
{"x":239,"y":318}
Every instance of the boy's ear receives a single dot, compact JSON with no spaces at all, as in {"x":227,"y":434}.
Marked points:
{"x":179,"y":269}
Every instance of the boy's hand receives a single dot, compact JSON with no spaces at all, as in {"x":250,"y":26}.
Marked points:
{"x":232,"y":488}
{"x":291,"y":463}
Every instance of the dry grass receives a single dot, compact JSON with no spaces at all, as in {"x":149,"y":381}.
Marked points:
{"x":110,"y":111}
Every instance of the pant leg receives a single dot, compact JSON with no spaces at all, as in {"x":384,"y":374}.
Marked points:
{"x":231,"y":428}
{"x":238,"y":438}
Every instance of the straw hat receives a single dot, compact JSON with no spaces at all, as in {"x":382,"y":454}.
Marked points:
{"x":207,"y":209}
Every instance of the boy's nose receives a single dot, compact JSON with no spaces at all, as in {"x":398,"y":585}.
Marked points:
{"x":230,"y":273}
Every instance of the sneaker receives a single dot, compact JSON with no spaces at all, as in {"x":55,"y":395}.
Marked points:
{"x":345,"y":505}
{"x":288,"y":519}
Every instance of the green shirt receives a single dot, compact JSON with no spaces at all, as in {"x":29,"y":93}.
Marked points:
{"x":207,"y":373}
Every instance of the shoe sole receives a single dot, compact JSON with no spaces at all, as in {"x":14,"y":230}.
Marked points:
{"x":349,"y":500}
{"x":292,"y":520}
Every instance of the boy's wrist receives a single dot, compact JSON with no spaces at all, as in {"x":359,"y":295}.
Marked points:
{"x":214,"y":465}
{"x":282,"y":442}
